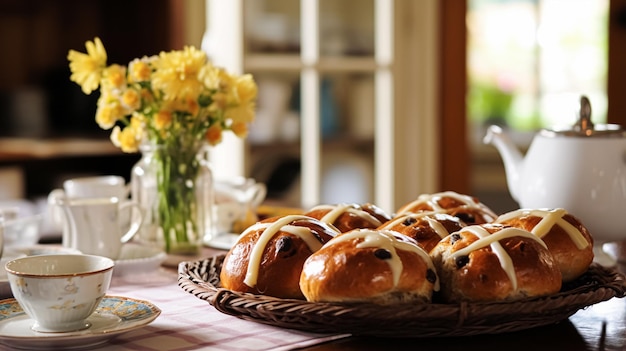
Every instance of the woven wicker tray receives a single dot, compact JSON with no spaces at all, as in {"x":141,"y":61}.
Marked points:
{"x":201,"y":278}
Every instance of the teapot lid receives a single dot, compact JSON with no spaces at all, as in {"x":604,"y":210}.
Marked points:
{"x":584,"y":127}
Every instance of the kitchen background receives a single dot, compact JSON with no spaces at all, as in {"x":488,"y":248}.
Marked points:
{"x":527,"y":63}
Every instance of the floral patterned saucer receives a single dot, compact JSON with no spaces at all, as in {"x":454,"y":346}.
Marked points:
{"x":115,"y":315}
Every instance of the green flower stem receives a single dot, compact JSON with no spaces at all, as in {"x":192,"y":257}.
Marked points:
{"x":177,"y":209}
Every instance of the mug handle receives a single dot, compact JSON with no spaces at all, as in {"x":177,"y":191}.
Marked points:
{"x":136,"y":221}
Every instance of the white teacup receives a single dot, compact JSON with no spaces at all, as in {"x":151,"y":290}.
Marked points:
{"x":93,"y":224}
{"x":59,"y":291}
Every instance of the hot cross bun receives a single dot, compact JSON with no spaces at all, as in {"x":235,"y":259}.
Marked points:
{"x":493,"y":262}
{"x":268,"y":256}
{"x":465,"y":207}
{"x":369,"y":265}
{"x":567,"y":238}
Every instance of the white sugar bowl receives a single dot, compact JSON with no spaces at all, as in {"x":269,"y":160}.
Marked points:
{"x":59,"y":291}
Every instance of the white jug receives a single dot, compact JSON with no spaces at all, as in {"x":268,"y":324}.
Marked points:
{"x":93,"y":224}
{"x":87,"y":187}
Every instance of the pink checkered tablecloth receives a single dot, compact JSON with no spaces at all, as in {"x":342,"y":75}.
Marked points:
{"x":188,"y":323}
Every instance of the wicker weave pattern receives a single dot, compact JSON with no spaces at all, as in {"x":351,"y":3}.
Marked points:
{"x":201,"y":278}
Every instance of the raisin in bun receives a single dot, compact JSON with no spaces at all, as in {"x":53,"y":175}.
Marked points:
{"x":465,"y":207}
{"x":492,"y":262}
{"x":565,"y":235}
{"x":426,"y":228}
{"x":369,"y":265}
{"x":346,"y":217}
{"x":268,"y":256}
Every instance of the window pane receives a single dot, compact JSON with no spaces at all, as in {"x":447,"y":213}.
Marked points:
{"x":529,"y":61}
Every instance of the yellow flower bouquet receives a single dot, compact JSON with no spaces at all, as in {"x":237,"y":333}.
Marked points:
{"x":174,"y":103}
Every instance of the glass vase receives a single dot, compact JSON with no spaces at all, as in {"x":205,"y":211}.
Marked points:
{"x":174,"y":187}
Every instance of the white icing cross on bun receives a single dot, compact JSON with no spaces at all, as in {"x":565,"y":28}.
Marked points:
{"x":337,"y":210}
{"x":269,"y":230}
{"x":432,"y":200}
{"x":387,"y":240}
{"x":549,"y":219}
{"x":493,"y":240}
{"x":432,"y":222}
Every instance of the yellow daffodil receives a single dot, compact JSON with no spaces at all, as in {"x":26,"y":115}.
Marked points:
{"x":107,"y":114}
{"x":131,"y":99}
{"x":126,"y":139}
{"x":162,"y":120}
{"x":87,"y":68}
{"x":246,"y":89}
{"x":114,"y":77}
{"x":138,"y":120}
{"x":173,"y":98}
{"x":210,"y":76}
{"x":176,"y":73}
{"x":139,"y":70}
{"x":240,"y":113}
{"x":225,"y":79}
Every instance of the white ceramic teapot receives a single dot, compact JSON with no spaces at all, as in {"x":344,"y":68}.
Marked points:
{"x":581,"y":169}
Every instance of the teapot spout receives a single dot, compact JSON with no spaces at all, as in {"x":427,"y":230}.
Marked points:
{"x":511,"y":156}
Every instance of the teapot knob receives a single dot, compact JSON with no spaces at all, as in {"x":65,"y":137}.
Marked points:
{"x":584,"y":123}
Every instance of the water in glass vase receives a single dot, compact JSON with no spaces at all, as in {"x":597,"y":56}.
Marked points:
{"x":174,"y":187}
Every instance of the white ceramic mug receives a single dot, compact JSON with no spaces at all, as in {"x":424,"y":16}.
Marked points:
{"x":92,"y":225}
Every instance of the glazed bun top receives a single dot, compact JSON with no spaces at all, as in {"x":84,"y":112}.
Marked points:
{"x":369,"y":265}
{"x":544,"y":222}
{"x":567,"y":238}
{"x":491,"y":236}
{"x":389,"y":242}
{"x":348,"y":216}
{"x":465,"y":207}
{"x":427,"y":228}
{"x":493,"y":262}
{"x":311,"y":231}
